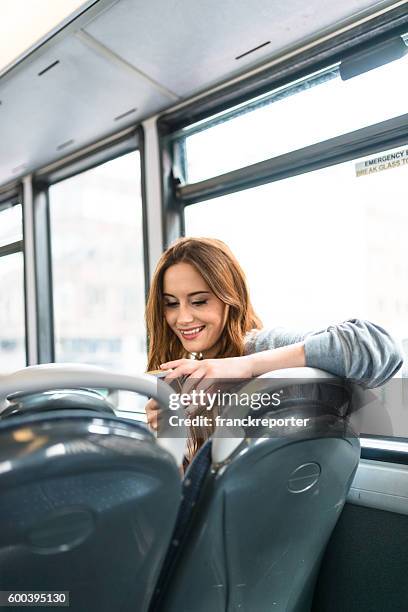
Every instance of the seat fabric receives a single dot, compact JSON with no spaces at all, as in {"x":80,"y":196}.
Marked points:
{"x":253,"y":534}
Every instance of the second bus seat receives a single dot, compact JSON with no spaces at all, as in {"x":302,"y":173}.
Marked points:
{"x":258,"y":511}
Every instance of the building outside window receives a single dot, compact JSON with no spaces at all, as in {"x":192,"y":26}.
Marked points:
{"x":98,"y":269}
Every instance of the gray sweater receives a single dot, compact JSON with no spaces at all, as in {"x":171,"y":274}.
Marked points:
{"x":357,"y":350}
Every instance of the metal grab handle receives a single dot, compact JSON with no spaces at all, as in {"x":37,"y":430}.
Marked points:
{"x":45,"y":377}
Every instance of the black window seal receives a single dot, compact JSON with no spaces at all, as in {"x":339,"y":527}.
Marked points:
{"x":384,"y":454}
{"x":9,"y":197}
{"x":11,"y":248}
{"x":359,"y":143}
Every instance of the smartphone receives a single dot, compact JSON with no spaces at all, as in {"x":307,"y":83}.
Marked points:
{"x":158,"y":373}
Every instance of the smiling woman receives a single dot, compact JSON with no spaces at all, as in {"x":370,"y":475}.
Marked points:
{"x":280,"y":130}
{"x":192,"y":311}
{"x":199,"y":304}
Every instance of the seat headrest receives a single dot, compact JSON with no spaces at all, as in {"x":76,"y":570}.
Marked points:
{"x":57,"y":399}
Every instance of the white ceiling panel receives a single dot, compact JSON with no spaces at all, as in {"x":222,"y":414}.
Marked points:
{"x":24,"y":23}
{"x":188,"y":45}
{"x":70,"y":105}
{"x":122,"y":55}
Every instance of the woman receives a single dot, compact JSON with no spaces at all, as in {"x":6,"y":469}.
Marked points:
{"x":199,"y":307}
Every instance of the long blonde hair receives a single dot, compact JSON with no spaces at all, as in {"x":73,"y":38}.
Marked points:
{"x":226,"y":279}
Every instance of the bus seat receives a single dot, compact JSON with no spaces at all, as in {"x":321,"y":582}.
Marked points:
{"x":256,"y":522}
{"x":56,"y":399}
{"x":88,"y":500}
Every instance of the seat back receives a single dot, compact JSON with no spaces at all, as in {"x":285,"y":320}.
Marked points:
{"x":59,"y":399}
{"x":88,"y":503}
{"x":260,"y":524}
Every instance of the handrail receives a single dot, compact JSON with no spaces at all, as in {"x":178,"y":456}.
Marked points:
{"x":45,"y":377}
{"x":223,"y":446}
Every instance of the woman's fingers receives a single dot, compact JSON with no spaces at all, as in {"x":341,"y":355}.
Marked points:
{"x":174,"y":364}
{"x":185,"y":369}
{"x":152,"y":412}
{"x":195,"y":375}
{"x":195,"y":371}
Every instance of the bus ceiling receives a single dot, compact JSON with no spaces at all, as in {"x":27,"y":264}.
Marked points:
{"x":86,"y":75}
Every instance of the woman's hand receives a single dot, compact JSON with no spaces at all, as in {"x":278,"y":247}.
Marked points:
{"x":248,"y":366}
{"x":229,"y":367}
{"x":207,"y":369}
{"x":152,"y":412}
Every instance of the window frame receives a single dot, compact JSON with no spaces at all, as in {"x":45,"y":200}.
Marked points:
{"x":316,"y":56}
{"x":359,"y":143}
{"x":387,"y":449}
{"x":312,"y":57}
{"x":90,"y":157}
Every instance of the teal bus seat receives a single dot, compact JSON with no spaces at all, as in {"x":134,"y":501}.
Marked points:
{"x":258,"y":511}
{"x":88,"y":500}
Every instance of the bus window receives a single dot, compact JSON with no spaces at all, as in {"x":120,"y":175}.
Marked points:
{"x":97,"y":266}
{"x":307,"y":111}
{"x":320,"y":231}
{"x":12,"y":335}
{"x":333,"y":237}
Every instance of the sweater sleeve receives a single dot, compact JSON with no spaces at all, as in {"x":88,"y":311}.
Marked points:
{"x":358,"y":350}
